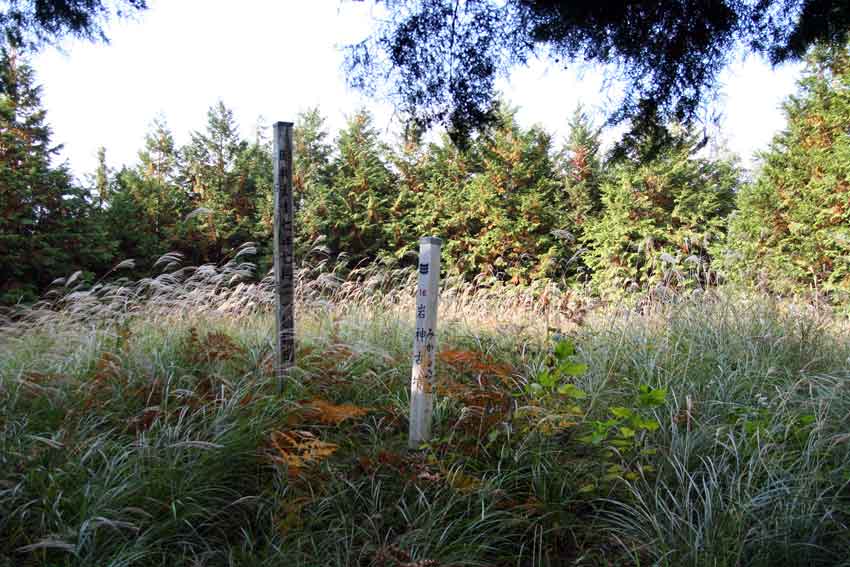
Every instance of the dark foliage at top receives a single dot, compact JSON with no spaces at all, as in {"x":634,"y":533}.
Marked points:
{"x":441,"y":57}
{"x":34,"y":23}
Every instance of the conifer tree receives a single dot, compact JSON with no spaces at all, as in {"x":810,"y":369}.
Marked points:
{"x":311,"y":167}
{"x":47,"y":225}
{"x":159,"y":192}
{"x":159,"y":158}
{"x":444,"y":208}
{"x":792,"y":230}
{"x":256,"y":194}
{"x":496,"y":202}
{"x":211,"y":171}
{"x":312,"y":175}
{"x":583,"y":172}
{"x":132,"y":218}
{"x":353,"y":212}
{"x":150,"y":198}
{"x":101,"y":177}
{"x":410,"y":160}
{"x":661,"y":215}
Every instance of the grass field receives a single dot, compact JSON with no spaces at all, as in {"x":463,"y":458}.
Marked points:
{"x":141,"y":425}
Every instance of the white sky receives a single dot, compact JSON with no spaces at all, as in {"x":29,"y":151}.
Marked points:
{"x":275,"y":58}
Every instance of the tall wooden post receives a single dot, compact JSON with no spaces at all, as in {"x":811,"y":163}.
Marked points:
{"x":425,"y":342}
{"x":284,"y":267}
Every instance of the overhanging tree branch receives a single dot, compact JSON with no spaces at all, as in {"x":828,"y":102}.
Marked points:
{"x":669,"y":52}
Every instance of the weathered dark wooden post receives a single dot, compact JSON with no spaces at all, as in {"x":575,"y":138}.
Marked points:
{"x":284,"y":266}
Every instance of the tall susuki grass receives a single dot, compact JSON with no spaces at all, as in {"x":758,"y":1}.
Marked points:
{"x":753,"y":462}
{"x":140,"y":424}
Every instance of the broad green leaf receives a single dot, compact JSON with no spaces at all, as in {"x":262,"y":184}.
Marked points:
{"x":573,"y":368}
{"x":622,"y":412}
{"x":546,"y":379}
{"x":807,"y":419}
{"x":572,"y":391}
{"x":652,"y":397}
{"x":641,"y":423}
{"x":627,"y":432}
{"x":564,"y":350}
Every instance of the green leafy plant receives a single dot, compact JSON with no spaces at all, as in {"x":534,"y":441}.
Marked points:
{"x":625,"y":434}
{"x":551,"y":380}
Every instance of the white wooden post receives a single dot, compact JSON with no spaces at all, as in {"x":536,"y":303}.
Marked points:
{"x":424,"y":342}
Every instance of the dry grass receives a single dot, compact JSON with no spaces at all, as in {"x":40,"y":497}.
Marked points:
{"x":140,"y":425}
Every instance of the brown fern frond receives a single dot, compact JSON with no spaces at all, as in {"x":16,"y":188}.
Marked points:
{"x":331,"y":414}
{"x":299,"y":449}
{"x":214,"y":346}
{"x":475,"y":362}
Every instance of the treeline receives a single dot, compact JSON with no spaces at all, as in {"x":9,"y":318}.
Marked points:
{"x":511,"y":204}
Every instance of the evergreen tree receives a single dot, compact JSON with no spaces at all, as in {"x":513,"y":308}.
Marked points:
{"x":48,"y":226}
{"x":410,"y":161}
{"x":150,"y":198}
{"x":312,"y":175}
{"x":443,"y":208}
{"x":660,"y":213}
{"x":583,"y":174}
{"x":440,"y":58}
{"x":158,"y":190}
{"x":132,"y":217}
{"x":496,"y":202}
{"x":35,"y":23}
{"x":353,"y":212}
{"x":311,"y":167}
{"x":101,"y":177}
{"x":210,"y":168}
{"x":793,"y":225}
{"x":256,"y":194}
{"x":159,"y":158}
